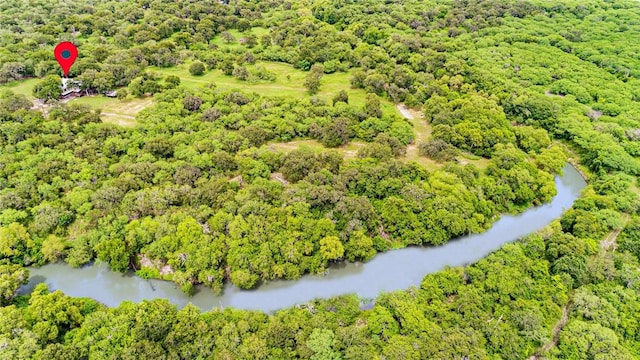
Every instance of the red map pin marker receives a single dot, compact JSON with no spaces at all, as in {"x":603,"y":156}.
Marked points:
{"x":66,"y":54}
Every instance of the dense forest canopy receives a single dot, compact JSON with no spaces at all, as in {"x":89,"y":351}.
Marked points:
{"x":223,"y":177}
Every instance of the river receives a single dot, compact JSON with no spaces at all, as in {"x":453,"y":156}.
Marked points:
{"x":389,"y":271}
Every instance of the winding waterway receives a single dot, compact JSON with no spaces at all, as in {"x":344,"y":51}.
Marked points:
{"x":389,"y":271}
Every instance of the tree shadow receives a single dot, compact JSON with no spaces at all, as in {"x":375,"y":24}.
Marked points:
{"x":33,"y":282}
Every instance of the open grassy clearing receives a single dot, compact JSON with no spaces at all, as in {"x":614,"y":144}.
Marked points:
{"x":115,"y":111}
{"x":235,"y":44}
{"x":289,"y":82}
{"x":348,"y":151}
{"x":478,"y":161}
{"x":280,"y":87}
{"x":23,"y":87}
{"x":422,"y":132}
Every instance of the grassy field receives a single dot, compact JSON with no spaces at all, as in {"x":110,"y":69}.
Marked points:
{"x":289,"y":83}
{"x":24,"y":87}
{"x":256,"y":31}
{"x":422,"y":132}
{"x":348,"y":151}
{"x":114,"y":111}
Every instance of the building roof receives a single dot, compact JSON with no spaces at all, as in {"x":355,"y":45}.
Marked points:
{"x":70,"y":86}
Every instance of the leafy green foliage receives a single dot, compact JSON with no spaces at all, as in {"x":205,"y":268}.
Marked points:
{"x":48,"y":89}
{"x":196,"y":193}
{"x":11,"y":278}
{"x":197,"y":68}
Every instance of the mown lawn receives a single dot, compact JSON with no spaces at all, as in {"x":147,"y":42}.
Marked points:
{"x":289,"y":82}
{"x":115,"y":111}
{"x":24,"y":87}
{"x":348,"y":151}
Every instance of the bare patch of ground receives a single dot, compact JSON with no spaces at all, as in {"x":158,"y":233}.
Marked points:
{"x":237,"y":179}
{"x":610,"y":241}
{"x":164,"y":269}
{"x":118,"y":119}
{"x":279,"y":177}
{"x":405,"y":112}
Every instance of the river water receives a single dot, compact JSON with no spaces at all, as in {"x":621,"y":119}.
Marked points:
{"x":389,"y":271}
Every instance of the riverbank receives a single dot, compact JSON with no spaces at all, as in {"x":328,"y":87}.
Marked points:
{"x":389,"y":271}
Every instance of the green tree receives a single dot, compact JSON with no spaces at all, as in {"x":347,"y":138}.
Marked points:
{"x":331,"y":248}
{"x":298,"y":164}
{"x":197,"y":68}
{"x":136,"y":87}
{"x":336,"y":132}
{"x":342,"y":96}
{"x":115,"y":253}
{"x":11,"y":278}
{"x":192,"y":102}
{"x":359,"y":247}
{"x":227,"y":37}
{"x":629,"y":239}
{"x":265,"y":40}
{"x":49,"y":89}
{"x":312,"y":80}
{"x":241,"y":73}
{"x":250,"y":41}
{"x":375,"y":151}
{"x":122,"y":94}
{"x":15,"y":243}
{"x":227,"y":67}
{"x":172,"y":82}
{"x":53,"y":248}
{"x":437,"y":150}
{"x":582,"y":340}
{"x":372,"y":106}
{"x":322,"y":343}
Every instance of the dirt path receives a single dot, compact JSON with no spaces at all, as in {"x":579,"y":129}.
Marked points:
{"x":556,"y":332}
{"x":118,"y":115}
{"x":279,"y":177}
{"x":404,"y":111}
{"x":422,"y":130}
{"x":609,"y":242}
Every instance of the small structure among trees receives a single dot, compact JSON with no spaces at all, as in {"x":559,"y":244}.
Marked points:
{"x":54,"y":88}
{"x":70,"y":89}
